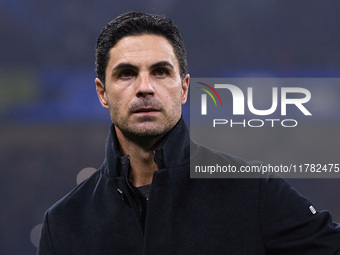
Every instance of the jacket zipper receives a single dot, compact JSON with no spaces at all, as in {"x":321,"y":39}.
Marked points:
{"x":138,"y":204}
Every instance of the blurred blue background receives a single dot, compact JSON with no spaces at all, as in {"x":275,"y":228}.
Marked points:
{"x":52,"y":125}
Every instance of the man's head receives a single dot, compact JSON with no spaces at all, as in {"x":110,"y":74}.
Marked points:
{"x":142,"y":76}
{"x":137,"y":23}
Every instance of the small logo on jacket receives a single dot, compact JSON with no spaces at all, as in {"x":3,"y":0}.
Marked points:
{"x":312,"y":209}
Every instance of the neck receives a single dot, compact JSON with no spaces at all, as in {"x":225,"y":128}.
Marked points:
{"x":141,"y":156}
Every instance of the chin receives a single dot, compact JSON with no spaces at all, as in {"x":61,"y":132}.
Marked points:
{"x":148,"y":130}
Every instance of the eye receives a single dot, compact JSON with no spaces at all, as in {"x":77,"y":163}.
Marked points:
{"x":127,"y":73}
{"x":161,"y":72}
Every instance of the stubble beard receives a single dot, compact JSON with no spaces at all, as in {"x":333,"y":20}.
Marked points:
{"x":147,"y":138}
{"x":146,"y":130}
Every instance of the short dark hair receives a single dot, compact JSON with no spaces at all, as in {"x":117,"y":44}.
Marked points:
{"x":138,"y":23}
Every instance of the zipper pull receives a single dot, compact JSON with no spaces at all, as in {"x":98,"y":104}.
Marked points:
{"x":120,"y":192}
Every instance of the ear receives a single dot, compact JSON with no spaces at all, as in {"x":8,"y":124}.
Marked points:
{"x":185,"y":88}
{"x":100,"y":88}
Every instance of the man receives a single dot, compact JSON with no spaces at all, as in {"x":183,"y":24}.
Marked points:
{"x":142,"y":200}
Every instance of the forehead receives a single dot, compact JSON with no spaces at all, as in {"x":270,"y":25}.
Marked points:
{"x":142,"y":49}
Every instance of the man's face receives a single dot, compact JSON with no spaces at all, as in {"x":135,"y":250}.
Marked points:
{"x":143,"y":88}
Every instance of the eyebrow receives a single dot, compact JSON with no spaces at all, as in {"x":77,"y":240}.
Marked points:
{"x":130,"y":66}
{"x":124,"y":66}
{"x":162,"y":63}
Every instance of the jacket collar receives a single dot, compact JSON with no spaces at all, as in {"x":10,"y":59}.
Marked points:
{"x":174,"y":152}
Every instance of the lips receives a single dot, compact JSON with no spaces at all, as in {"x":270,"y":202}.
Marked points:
{"x":146,"y":110}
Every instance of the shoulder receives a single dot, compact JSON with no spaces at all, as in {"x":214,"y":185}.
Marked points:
{"x":290,"y":223}
{"x":78,"y":197}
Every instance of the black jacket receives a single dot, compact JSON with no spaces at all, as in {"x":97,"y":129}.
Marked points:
{"x":105,"y":214}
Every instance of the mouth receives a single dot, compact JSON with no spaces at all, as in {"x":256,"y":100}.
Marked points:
{"x":146,"y":110}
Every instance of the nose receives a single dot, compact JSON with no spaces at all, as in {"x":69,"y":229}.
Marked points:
{"x":144,"y":87}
